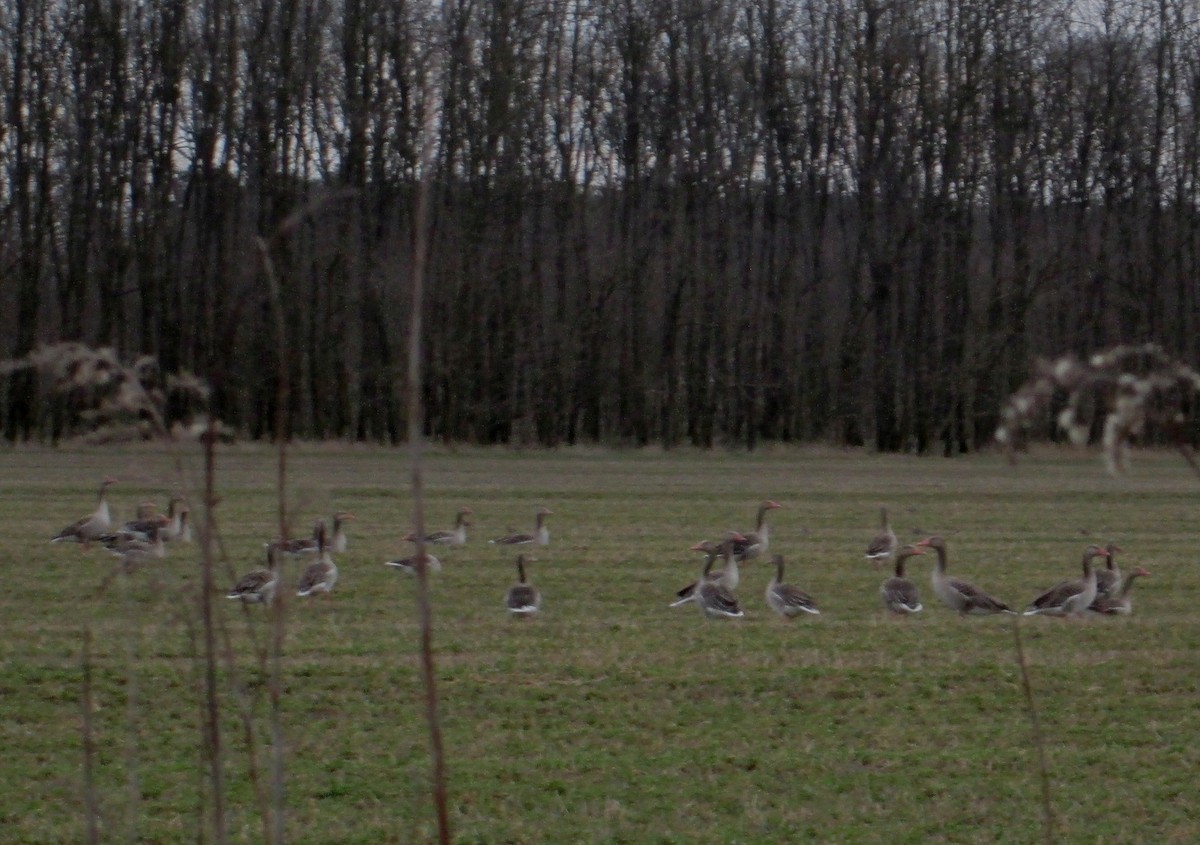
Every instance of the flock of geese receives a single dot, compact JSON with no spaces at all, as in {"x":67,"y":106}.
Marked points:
{"x":1102,"y":591}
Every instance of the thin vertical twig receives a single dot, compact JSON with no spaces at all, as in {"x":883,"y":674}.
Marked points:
{"x":1038,"y":742}
{"x":275,"y":649}
{"x":133,"y":788}
{"x":212,"y":722}
{"x":91,"y":805}
{"x":416,"y":444}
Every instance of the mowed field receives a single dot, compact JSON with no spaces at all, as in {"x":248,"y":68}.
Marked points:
{"x":609,"y":717}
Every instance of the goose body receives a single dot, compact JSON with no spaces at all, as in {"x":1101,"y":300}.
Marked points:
{"x":321,"y":575}
{"x":756,"y":542}
{"x":786,"y":600}
{"x":715,"y":600}
{"x":539,"y":537}
{"x":728,"y":577}
{"x":522,"y":598}
{"x":409,"y":564}
{"x":883,"y":545}
{"x":1108,"y":580}
{"x":960,"y":596}
{"x":1122,"y":603}
{"x":456,"y":536}
{"x":899,"y":594}
{"x":257,"y":586}
{"x":89,"y":528}
{"x":1070,"y":598}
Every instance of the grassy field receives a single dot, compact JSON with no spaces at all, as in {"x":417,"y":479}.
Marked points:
{"x":610,"y":718}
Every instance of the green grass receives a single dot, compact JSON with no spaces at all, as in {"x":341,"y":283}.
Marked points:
{"x":610,"y":718}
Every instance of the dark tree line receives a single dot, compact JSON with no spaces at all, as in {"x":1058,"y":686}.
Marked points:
{"x":653,"y":220}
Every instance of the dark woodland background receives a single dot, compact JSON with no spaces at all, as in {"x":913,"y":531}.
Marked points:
{"x":653,"y":221}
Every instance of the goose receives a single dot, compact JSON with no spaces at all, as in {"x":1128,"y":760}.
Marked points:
{"x":308,"y":545}
{"x":539,"y":537}
{"x":340,"y":541}
{"x":899,"y":594}
{"x":1070,"y":597}
{"x":757,"y":541}
{"x":786,"y":600}
{"x":1122,"y":602}
{"x":729,"y":577}
{"x":321,"y":575}
{"x":89,"y":528}
{"x":959,"y":595}
{"x":1108,"y":580}
{"x":177,"y":529}
{"x":715,"y":600}
{"x":133,"y":545}
{"x":457,"y":536}
{"x":409,"y":564}
{"x":522,"y":598}
{"x":145,"y":520}
{"x":258,"y":586}
{"x":883,"y":546}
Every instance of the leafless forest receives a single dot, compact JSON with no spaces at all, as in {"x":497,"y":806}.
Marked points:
{"x":711,"y":221}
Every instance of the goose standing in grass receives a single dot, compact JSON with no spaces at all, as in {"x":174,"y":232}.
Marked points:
{"x":1121,"y":603}
{"x":786,"y":600}
{"x":123,"y":545}
{"x":456,"y":536}
{"x":883,"y":546}
{"x":89,"y":528}
{"x":1070,"y":598}
{"x":522,"y":598}
{"x":715,"y":600}
{"x":409,"y":564}
{"x":321,"y":575}
{"x":340,"y":540}
{"x":258,"y":586}
{"x":960,"y":596}
{"x":899,"y":594}
{"x":756,"y":542}
{"x":140,"y":525}
{"x":178,"y":529}
{"x":539,"y":537}
{"x":1108,"y":580}
{"x":729,"y":576}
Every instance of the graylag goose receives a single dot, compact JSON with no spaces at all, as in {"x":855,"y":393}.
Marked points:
{"x":539,"y":537}
{"x":883,"y":546}
{"x":1070,"y":598}
{"x":960,"y":596}
{"x":146,"y":519}
{"x":899,"y":594}
{"x":457,"y":536}
{"x":177,"y":528}
{"x":757,"y":541}
{"x":321,"y":575}
{"x":409,"y":564}
{"x":729,"y":577}
{"x":258,"y":586}
{"x":1122,"y":603}
{"x":522,"y":598}
{"x":125,"y":545}
{"x":715,"y":600}
{"x":1108,"y":580}
{"x":786,"y":600}
{"x":89,"y":528}
{"x":309,"y":545}
{"x":340,"y":540}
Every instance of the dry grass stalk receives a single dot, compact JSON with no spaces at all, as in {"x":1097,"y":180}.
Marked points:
{"x":1129,"y":391}
{"x":90,"y":804}
{"x":1038,"y":741}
